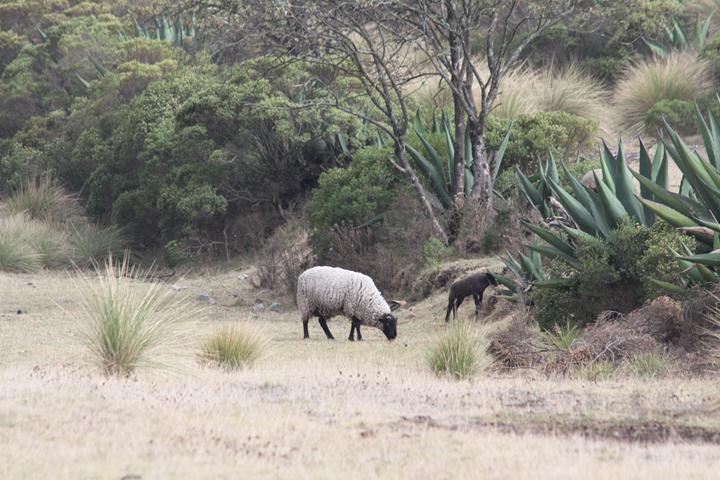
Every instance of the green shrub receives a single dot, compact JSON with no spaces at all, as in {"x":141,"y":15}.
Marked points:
{"x":533,"y":136}
{"x":435,"y":252}
{"x":353,"y":195}
{"x":679,"y":114}
{"x":459,"y":353}
{"x":613,"y":275}
{"x":233,"y":347}
{"x":131,"y":321}
{"x":657,"y":261}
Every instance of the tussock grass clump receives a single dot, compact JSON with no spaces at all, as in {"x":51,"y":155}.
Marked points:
{"x":572,"y":91}
{"x":562,"y":337}
{"x":459,"y":353}
{"x":680,"y":76}
{"x":518,"y":94}
{"x":16,"y":255}
{"x":233,"y":347}
{"x":648,"y":365}
{"x":44,"y":200}
{"x":89,"y":242}
{"x":132,"y":321}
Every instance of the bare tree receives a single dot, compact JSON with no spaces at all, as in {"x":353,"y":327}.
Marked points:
{"x":357,"y":40}
{"x":448,"y":31}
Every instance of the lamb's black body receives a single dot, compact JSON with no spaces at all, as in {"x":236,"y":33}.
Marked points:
{"x":474,"y":285}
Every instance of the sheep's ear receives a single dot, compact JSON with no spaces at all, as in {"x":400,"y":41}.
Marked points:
{"x":395,"y":304}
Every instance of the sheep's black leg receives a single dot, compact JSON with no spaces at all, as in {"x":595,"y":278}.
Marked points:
{"x":325,"y":328}
{"x":355,"y":326}
{"x":305,"y":328}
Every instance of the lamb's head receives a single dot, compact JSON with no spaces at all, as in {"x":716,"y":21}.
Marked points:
{"x":388,"y":324}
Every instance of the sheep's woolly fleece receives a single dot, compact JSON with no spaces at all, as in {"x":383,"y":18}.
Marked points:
{"x":330,"y":291}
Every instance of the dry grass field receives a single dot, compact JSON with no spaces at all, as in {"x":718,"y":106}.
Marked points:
{"x":322,"y":409}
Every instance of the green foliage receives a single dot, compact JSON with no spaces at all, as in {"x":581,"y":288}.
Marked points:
{"x":533,"y":136}
{"x":435,"y":252}
{"x":233,"y":348}
{"x":680,"y":114}
{"x":131,"y":321}
{"x":679,"y":39}
{"x":354,"y":195}
{"x":562,"y":337}
{"x":458,"y":354}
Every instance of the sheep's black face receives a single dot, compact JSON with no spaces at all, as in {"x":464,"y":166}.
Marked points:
{"x":388,"y":323}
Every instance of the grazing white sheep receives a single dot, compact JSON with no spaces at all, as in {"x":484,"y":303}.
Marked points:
{"x":325,"y":292}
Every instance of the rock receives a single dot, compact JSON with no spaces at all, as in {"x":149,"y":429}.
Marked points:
{"x":205,"y":297}
{"x":258,"y":308}
{"x":178,"y":288}
{"x":275,"y":307}
{"x":243,"y":276}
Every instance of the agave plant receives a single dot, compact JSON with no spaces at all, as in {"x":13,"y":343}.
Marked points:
{"x":438,"y":168}
{"x":582,"y":211}
{"x":679,"y":39}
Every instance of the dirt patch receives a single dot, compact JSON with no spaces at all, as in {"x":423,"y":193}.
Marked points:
{"x":631,"y":431}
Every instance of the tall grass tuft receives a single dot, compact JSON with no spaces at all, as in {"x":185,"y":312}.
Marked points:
{"x":44,"y":200}
{"x":459,"y":353}
{"x":562,"y":337}
{"x":233,"y":347}
{"x":680,"y":76}
{"x":648,"y":366}
{"x":572,"y":91}
{"x":132,"y":321}
{"x":518,"y":94}
{"x":18,"y":237}
{"x":89,"y":242}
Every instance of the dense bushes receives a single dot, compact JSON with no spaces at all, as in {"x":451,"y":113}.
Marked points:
{"x":614,"y":274}
{"x":533,"y":136}
{"x":352,"y":196}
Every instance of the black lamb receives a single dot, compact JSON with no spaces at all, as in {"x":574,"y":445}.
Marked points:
{"x":474,"y":285}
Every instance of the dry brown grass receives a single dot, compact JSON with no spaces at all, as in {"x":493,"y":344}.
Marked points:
{"x":320,"y":409}
{"x":680,"y":76}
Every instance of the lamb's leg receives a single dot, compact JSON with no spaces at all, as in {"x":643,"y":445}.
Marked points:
{"x":325,"y":328}
{"x":352,"y":331}
{"x":478,"y":302}
{"x":451,"y":303}
{"x":458,"y":302}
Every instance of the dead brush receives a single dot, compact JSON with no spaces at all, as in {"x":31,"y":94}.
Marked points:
{"x":518,"y":345}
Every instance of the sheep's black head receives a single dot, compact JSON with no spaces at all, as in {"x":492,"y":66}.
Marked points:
{"x":388,"y":324}
{"x":491,"y":278}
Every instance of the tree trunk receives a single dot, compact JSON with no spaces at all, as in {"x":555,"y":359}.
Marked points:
{"x":482,"y":190}
{"x":437,"y":229}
